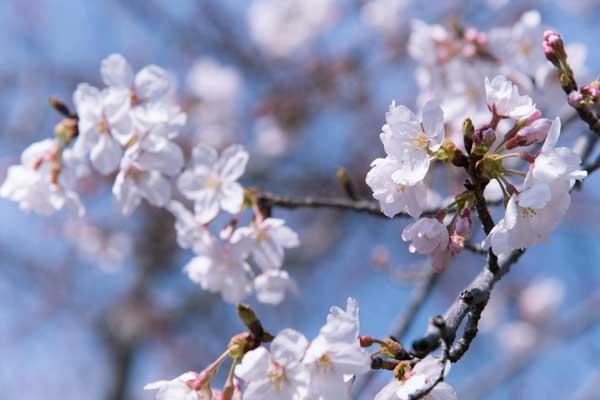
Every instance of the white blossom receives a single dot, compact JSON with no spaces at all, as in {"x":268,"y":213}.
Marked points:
{"x":268,"y":239}
{"x":221,"y":267}
{"x":411,"y":141}
{"x":335,"y":354}
{"x":271,"y":286}
{"x":544,"y":199}
{"x":105,"y":125}
{"x":422,"y":375}
{"x":143,"y":170}
{"x":278,"y":374}
{"x":177,"y":389}
{"x":385,"y":15}
{"x":283,"y":26}
{"x":149,"y":84}
{"x":504,"y":99}
{"x":540,"y":300}
{"x":395,"y":198}
{"x":211,"y":181}
{"x":427,"y":235}
{"x":44,"y":181}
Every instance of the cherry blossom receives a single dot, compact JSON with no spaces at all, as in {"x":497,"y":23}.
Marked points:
{"x":271,"y":286}
{"x":142,"y":172}
{"x":427,"y":235}
{"x":211,"y":181}
{"x":178,"y":388}
{"x":268,"y":237}
{"x":44,"y":181}
{"x":335,"y":354}
{"x":411,"y":141}
{"x":504,"y":99}
{"x":419,"y":378}
{"x":283,"y":26}
{"x":105,"y":124}
{"x":221,"y":267}
{"x":278,"y":374}
{"x":395,"y":198}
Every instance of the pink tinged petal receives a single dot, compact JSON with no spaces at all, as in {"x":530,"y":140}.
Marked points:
{"x":176,"y":390}
{"x":155,"y":188}
{"x":206,"y":206}
{"x":268,"y":254}
{"x":349,"y":358}
{"x":288,"y":347}
{"x":254,"y":365}
{"x":151,"y":83}
{"x":552,"y":137}
{"x":535,"y":197}
{"x":192,"y":185}
{"x":106,"y":154}
{"x":414,"y":169}
{"x":86,"y":97}
{"x":116,"y":71}
{"x":389,"y":391}
{"x":433,"y":124}
{"x":164,"y":156}
{"x":231,"y":197}
{"x":511,"y":215}
{"x":232,"y":163}
{"x":126,"y":193}
{"x":286,"y":237}
{"x":271,"y":286}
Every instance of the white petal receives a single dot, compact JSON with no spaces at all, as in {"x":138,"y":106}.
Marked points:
{"x":116,"y":71}
{"x":232,"y":163}
{"x":288,"y":347}
{"x":254,"y":365}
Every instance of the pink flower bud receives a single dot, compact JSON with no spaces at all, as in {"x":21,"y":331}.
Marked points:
{"x":554,"y":47}
{"x":485,"y":136}
{"x":462,"y":227}
{"x":592,"y":91}
{"x":534,"y":133}
{"x":537,"y":114}
{"x":575,"y":98}
{"x":366,"y":341}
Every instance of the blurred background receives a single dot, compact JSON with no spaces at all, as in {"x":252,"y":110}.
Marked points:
{"x":96,"y":308}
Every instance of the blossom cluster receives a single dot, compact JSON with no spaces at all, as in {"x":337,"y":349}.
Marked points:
{"x":295,"y":369}
{"x":533,"y":208}
{"x":452,"y":63}
{"x":128,"y":128}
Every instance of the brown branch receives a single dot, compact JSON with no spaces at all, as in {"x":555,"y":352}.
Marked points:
{"x":475,"y":294}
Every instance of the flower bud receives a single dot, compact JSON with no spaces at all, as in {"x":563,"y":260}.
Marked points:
{"x":366,"y":341}
{"x":525,"y":156}
{"x":534,"y":133}
{"x":575,"y":99}
{"x":554,"y":48}
{"x":591,"y":92}
{"x":462,"y":226}
{"x":468,"y":131}
{"x":482,"y":140}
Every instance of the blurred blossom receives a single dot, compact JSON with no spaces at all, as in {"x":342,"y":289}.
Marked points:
{"x":281,"y":27}
{"x":217,"y":89}
{"x":517,"y":337}
{"x":108,"y":249}
{"x":385,"y":15}
{"x":539,"y":301}
{"x":271,"y":139}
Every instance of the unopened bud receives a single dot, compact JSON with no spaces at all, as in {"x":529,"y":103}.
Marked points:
{"x":366,"y":341}
{"x":463,"y":223}
{"x":575,"y":99}
{"x":468,"y":132}
{"x":534,"y":133}
{"x":537,"y":114}
{"x":591,"y":92}
{"x":482,"y":140}
{"x":456,"y":244}
{"x":554,"y":48}
{"x":66,"y":129}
